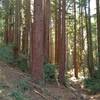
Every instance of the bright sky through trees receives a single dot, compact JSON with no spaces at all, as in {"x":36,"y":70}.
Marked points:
{"x":93,"y":6}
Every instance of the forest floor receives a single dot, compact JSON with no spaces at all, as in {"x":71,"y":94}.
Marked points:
{"x":16,"y":85}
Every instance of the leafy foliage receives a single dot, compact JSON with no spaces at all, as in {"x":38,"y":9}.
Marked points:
{"x":49,"y":71}
{"x":7,"y":55}
{"x":22,"y":63}
{"x":23,"y":85}
{"x":93,"y":84}
{"x":17,"y":95}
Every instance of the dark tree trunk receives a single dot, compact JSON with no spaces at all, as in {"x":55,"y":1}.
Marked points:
{"x":6,"y":30}
{"x":17,"y":31}
{"x":26,"y":30}
{"x":56,"y":31}
{"x":89,"y":41}
{"x":46,"y":29}
{"x":61,"y":39}
{"x":98,"y":29}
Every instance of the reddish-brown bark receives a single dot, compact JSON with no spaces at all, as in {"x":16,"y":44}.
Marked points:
{"x":61,"y":41}
{"x":56,"y":32}
{"x":37,"y":41}
{"x":46,"y":29}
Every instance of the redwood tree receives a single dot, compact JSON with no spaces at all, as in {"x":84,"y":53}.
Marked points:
{"x":61,"y":41}
{"x":37,"y":41}
{"x":56,"y":31}
{"x":46,"y":29}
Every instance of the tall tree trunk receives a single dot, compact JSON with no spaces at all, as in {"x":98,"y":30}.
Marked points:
{"x":46,"y":29}
{"x":6,"y":29}
{"x":38,"y":41}
{"x":75,"y":52}
{"x":98,"y":28}
{"x":82,"y":39}
{"x":51,"y":49}
{"x":62,"y":51}
{"x":10,"y":20}
{"x":89,"y":41}
{"x":17,"y":34}
{"x":9,"y":10}
{"x":26,"y":30}
{"x":56,"y":31}
{"x":59,"y":31}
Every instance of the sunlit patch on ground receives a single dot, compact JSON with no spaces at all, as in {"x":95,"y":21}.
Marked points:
{"x":1,"y":91}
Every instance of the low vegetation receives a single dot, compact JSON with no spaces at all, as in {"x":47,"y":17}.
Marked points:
{"x":93,"y":84}
{"x":7,"y":55}
{"x":49,"y":72}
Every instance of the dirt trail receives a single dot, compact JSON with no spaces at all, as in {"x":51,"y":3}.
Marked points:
{"x":79,"y":90}
{"x":9,"y":85}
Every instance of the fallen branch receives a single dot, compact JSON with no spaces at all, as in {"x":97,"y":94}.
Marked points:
{"x":40,"y":94}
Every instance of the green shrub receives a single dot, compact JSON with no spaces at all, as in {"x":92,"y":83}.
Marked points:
{"x":17,"y":95}
{"x":49,"y":72}
{"x":1,"y":34}
{"x":93,"y":84}
{"x":97,"y":74}
{"x":23,"y":85}
{"x":6,"y":53}
{"x":21,"y":62}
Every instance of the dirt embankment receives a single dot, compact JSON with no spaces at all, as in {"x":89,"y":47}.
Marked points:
{"x":16,"y":85}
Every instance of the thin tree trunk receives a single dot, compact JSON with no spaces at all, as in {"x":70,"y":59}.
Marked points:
{"x":90,"y":49}
{"x":75,"y":52}
{"x":6,"y":29}
{"x":26,"y":30}
{"x":17,"y":34}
